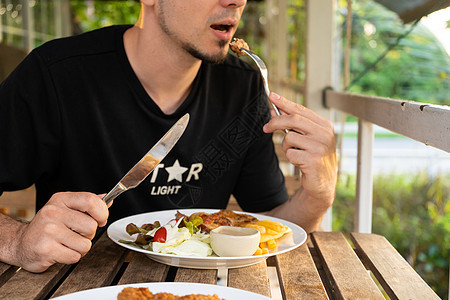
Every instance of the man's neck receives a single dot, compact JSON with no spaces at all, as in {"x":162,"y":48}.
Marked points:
{"x":167,"y":76}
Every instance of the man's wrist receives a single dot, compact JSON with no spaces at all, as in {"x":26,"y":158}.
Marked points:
{"x":316,"y":201}
{"x":11,"y":236}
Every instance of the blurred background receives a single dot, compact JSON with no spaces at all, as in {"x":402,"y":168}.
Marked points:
{"x":389,"y":53}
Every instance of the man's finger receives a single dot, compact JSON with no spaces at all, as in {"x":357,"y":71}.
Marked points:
{"x":102,"y":196}
{"x":290,"y":107}
{"x":88,"y":203}
{"x":81,"y":223}
{"x":75,"y":242}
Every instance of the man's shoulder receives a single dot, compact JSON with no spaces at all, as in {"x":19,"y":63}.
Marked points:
{"x":94,"y":42}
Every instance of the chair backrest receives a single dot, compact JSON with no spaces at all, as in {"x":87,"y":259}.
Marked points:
{"x":19,"y":204}
{"x":10,"y":57}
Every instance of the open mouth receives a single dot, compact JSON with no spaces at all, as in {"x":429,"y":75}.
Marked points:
{"x":221,"y":27}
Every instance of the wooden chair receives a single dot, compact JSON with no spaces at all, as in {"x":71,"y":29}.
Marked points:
{"x":19,"y":204}
{"x":10,"y":57}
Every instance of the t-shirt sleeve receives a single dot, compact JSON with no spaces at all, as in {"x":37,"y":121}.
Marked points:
{"x":29,"y":125}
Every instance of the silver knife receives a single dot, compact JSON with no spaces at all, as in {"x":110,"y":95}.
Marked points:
{"x":150,"y":160}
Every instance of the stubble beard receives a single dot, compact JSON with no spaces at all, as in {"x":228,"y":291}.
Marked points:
{"x":215,"y":59}
{"x":191,"y":48}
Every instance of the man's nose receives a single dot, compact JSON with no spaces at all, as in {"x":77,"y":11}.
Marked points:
{"x":233,"y":3}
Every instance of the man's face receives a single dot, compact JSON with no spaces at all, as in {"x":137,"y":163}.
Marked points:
{"x":203,"y":28}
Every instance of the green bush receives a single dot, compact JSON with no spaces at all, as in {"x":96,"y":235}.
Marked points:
{"x":413,"y":213}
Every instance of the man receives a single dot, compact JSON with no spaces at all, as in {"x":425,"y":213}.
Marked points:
{"x":88,"y":107}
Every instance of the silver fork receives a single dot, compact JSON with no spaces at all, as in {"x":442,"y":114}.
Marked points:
{"x":263,"y":69}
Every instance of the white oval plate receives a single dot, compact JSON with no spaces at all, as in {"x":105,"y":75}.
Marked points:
{"x":176,"y":288}
{"x":116,"y":231}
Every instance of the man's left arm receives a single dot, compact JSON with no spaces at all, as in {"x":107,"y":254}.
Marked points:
{"x":309,"y":145}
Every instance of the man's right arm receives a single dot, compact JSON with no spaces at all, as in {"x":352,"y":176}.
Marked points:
{"x":9,"y":231}
{"x":60,"y":232}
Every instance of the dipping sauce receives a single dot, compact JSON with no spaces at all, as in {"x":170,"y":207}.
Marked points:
{"x":233,"y":231}
{"x":229,"y":241}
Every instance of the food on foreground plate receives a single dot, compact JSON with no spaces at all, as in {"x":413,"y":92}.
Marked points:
{"x":189,"y":235}
{"x":236,"y":46}
{"x":131,"y":293}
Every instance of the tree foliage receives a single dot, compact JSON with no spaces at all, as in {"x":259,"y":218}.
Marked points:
{"x":96,"y":14}
{"x":417,"y":68}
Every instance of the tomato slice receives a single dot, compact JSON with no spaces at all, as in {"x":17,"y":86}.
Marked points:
{"x":160,"y":235}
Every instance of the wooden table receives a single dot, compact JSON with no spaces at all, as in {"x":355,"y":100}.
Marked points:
{"x":326,"y":267}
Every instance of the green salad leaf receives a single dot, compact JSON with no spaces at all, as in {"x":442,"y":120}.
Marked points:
{"x":193,"y":224}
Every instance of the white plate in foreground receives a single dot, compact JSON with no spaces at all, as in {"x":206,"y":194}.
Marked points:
{"x":116,"y":231}
{"x":176,"y":288}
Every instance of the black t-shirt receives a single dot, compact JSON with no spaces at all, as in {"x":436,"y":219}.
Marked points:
{"x":74,"y":117}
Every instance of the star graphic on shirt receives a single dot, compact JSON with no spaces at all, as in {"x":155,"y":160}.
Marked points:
{"x":175,"y":172}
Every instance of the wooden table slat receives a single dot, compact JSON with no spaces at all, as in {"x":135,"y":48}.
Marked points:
{"x":96,"y":269}
{"x":143,"y":269}
{"x":196,"y":276}
{"x":254,"y":278}
{"x":6,"y":272}
{"x":349,"y":277}
{"x":395,"y":275}
{"x":37,"y":286}
{"x":303,"y":280}
{"x":323,"y":275}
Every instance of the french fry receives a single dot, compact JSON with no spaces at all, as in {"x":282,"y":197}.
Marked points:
{"x":258,"y":251}
{"x":266,"y":237}
{"x":272,"y":232}
{"x":260,"y":228}
{"x":262,"y":249}
{"x":271,"y":244}
{"x":276,"y":226}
